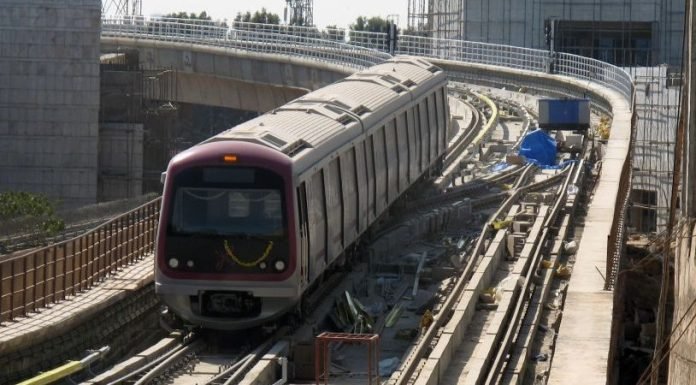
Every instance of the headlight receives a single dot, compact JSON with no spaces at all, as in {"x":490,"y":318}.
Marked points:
{"x":173,"y":263}
{"x":280,"y":265}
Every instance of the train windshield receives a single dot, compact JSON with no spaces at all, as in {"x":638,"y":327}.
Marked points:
{"x":227,"y":202}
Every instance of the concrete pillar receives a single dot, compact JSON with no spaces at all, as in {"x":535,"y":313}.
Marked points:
{"x":49,"y":98}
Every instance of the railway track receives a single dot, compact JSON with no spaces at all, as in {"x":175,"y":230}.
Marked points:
{"x":195,"y":360}
{"x":417,"y":357}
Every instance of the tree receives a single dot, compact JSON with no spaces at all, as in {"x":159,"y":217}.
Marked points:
{"x":373,"y":24}
{"x":192,"y":16}
{"x":261,"y":17}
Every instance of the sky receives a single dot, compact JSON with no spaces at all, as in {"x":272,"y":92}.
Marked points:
{"x":326,"y":12}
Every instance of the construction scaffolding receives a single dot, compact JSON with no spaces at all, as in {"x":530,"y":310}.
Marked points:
{"x":441,"y":19}
{"x":122,"y":7}
{"x":657,"y":106}
{"x":643,"y":33}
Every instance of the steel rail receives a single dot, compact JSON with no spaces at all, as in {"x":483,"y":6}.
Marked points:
{"x":416,"y":353}
{"x":522,"y":294}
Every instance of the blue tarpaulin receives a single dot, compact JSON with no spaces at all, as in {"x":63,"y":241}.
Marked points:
{"x":539,"y":148}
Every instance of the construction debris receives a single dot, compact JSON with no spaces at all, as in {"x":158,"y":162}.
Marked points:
{"x":351,"y":316}
{"x":563,"y":272}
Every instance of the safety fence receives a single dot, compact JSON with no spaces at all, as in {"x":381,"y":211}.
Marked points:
{"x":247,"y":37}
{"x":359,"y":49}
{"x":48,"y":275}
{"x":616,"y":240}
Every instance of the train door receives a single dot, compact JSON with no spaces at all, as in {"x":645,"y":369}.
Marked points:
{"x":425,"y":134}
{"x":334,"y":210}
{"x":434,"y":132}
{"x":402,"y":149}
{"x":362,"y":185}
{"x":413,"y":148}
{"x":442,"y":118}
{"x":303,"y":234}
{"x":349,"y":191}
{"x":316,"y":215}
{"x":371,"y":183}
{"x":391,"y":154}
{"x":380,"y":163}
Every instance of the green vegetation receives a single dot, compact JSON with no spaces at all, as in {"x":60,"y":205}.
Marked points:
{"x":261,"y":17}
{"x":373,"y":24}
{"x":192,"y":16}
{"x":28,"y":213}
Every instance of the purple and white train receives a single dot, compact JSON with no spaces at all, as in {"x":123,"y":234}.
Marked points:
{"x":252,"y":217}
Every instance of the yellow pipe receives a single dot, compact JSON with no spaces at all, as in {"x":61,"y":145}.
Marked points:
{"x":63,"y":371}
{"x":54,"y":374}
{"x":491,"y":122}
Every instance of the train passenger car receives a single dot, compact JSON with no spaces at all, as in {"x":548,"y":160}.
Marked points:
{"x":253,"y":216}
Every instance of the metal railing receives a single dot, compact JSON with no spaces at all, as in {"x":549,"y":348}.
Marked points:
{"x":616,"y":240}
{"x":247,"y":37}
{"x":48,"y":275}
{"x":359,"y":49}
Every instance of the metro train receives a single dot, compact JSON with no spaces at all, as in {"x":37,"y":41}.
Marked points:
{"x":252,"y":217}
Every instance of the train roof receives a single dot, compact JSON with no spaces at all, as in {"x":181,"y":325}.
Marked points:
{"x":308,"y":128}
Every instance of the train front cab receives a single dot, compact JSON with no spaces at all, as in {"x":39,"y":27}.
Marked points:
{"x":226,"y":248}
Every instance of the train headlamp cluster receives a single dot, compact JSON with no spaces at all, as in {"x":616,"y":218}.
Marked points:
{"x":279,"y":266}
{"x":174,"y":263}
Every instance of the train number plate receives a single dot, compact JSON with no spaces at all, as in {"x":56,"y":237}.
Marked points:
{"x":231,"y":304}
